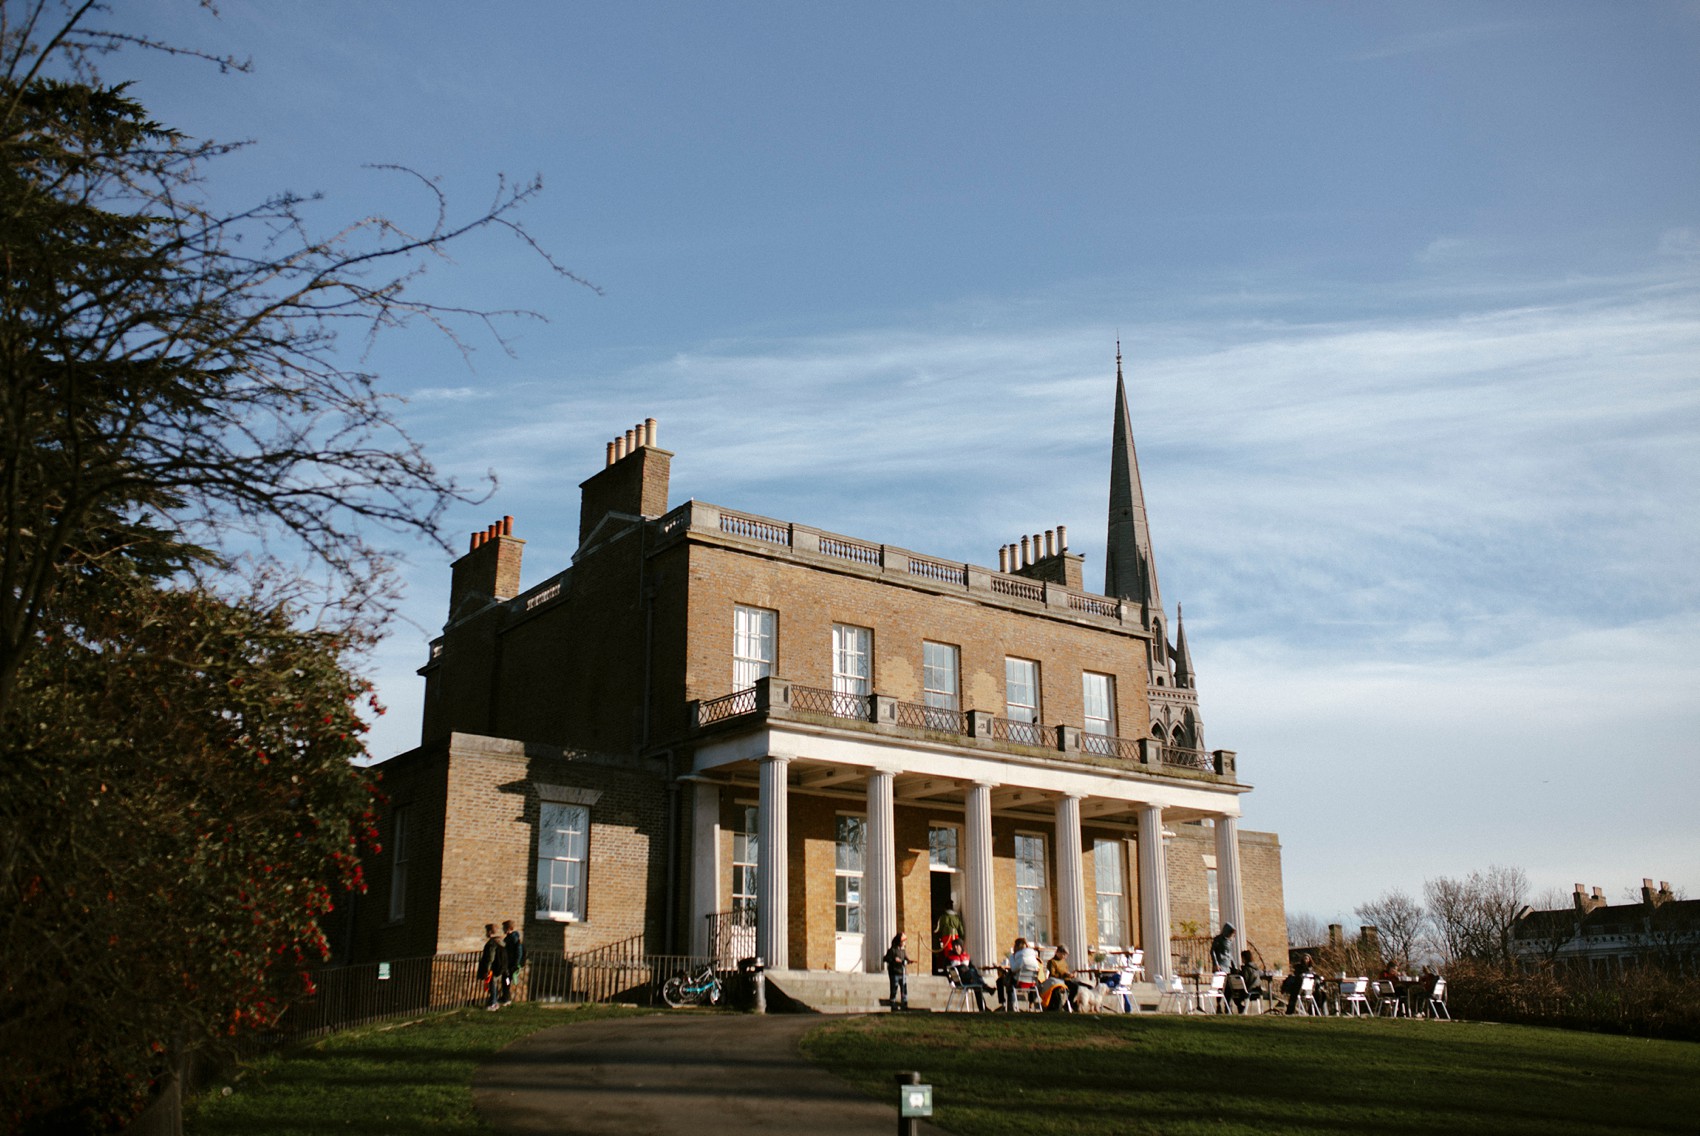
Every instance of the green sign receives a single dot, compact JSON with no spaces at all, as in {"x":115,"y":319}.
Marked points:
{"x":915,"y":1100}
{"x":383,"y":971}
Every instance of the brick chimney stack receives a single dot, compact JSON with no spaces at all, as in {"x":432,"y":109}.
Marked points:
{"x":633,"y":480}
{"x":490,"y":569}
{"x":1044,"y":556}
{"x":1586,"y":903}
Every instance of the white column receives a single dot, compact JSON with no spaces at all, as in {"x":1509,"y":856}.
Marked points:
{"x":1154,"y":893}
{"x":879,"y":876}
{"x":980,"y":912}
{"x":1071,"y":895}
{"x":773,"y":909}
{"x":705,"y":864}
{"x":1229,"y":898}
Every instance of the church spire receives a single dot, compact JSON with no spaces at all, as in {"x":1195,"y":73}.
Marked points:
{"x":1129,"y":571}
{"x":1183,"y":657}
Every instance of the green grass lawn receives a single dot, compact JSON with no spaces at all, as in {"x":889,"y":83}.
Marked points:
{"x":1057,"y":1074}
{"x":994,"y":1075}
{"x":398,"y":1077}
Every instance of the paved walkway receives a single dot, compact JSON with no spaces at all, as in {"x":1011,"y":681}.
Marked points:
{"x":699,"y":1074}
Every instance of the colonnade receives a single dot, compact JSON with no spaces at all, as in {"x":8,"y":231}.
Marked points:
{"x":979,"y":901}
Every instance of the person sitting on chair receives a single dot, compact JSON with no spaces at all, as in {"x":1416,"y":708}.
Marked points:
{"x":1252,"y":979}
{"x":1295,"y":982}
{"x":1059,"y":989}
{"x":1022,"y":957}
{"x":967,"y":976}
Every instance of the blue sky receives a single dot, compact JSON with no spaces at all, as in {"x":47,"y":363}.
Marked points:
{"x":1409,"y":294}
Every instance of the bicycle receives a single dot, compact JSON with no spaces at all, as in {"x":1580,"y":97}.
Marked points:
{"x":701,"y":989}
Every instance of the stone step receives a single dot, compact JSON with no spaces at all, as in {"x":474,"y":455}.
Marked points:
{"x":835,"y":992}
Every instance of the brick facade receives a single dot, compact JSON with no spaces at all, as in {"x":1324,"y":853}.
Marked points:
{"x":610,"y":682}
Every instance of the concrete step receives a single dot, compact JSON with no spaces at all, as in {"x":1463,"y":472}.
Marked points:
{"x":835,"y":992}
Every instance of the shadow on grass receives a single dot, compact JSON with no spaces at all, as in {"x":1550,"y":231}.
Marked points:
{"x":1081,"y":1074}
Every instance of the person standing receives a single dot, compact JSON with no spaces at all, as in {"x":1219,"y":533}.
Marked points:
{"x":897,"y":970}
{"x":492,"y":967}
{"x":1222,"y":948}
{"x":515,"y":949}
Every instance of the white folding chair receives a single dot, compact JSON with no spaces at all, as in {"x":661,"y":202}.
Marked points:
{"x":1307,"y":996}
{"x":958,"y":992}
{"x":1136,"y":964}
{"x":1389,"y":1004}
{"x":1026,"y":989}
{"x":1354,"y":998}
{"x":1437,"y":1001}
{"x":1117,"y":986}
{"x":1215,"y":999}
{"x":1173,"y":999}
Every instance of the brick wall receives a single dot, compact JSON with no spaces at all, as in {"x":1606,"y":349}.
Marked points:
{"x":481,"y":794}
{"x":810,"y":599}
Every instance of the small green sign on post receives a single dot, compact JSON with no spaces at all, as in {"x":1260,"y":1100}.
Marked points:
{"x":915,"y":1100}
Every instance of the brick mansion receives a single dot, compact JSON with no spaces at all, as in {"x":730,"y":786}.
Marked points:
{"x":715,"y":717}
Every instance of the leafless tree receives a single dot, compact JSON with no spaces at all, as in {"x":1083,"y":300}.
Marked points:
{"x":1400,"y":922}
{"x":1305,"y":929}
{"x":1474,"y":917}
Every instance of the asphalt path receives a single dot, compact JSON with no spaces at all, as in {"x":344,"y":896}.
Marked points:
{"x":703,"y":1074}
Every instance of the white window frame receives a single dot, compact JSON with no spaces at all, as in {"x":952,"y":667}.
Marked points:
{"x":849,"y":863}
{"x":746,"y":861}
{"x":852,"y":659}
{"x":562,"y":860}
{"x":755,"y":641}
{"x":400,"y":853}
{"x":1021,"y":689}
{"x":1098,"y":705}
{"x":1032,"y":889}
{"x":941,"y":675}
{"x":1109,"y":865}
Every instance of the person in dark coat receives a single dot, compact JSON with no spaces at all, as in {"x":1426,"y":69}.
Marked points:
{"x":492,"y":967}
{"x":897,"y":970}
{"x":1222,"y":949}
{"x":516,"y":958}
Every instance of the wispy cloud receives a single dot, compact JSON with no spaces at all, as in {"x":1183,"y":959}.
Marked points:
{"x":1441,"y":39}
{"x":1443,"y":545}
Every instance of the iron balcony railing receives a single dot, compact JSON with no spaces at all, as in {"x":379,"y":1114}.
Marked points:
{"x":1108,"y":745}
{"x":733,"y":705}
{"x":1024,"y":733}
{"x":923,"y":717}
{"x":837,"y":703}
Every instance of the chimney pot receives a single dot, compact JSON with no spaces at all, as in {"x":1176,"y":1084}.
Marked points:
{"x":1003,"y":558}
{"x":631,"y":441}
{"x":649,"y":432}
{"x":1050,"y":542}
{"x":610,"y":460}
{"x":507,"y":526}
{"x":472,"y":542}
{"x":1024,"y":552}
{"x":1062,"y":538}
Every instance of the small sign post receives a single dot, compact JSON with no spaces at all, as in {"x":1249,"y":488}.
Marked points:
{"x":914,"y":1100}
